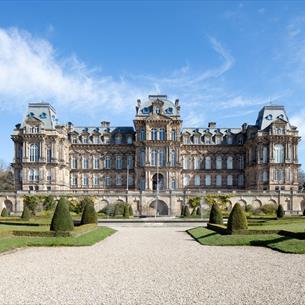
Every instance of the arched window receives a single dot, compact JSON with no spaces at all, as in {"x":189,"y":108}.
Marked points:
{"x":196,"y":140}
{"x":218,"y":162}
{"x":96,"y":180}
{"x":130,"y":162}
{"x":240,"y":180}
{"x":229,"y":140}
{"x":96,"y":162}
{"x":265,"y":154}
{"x":118,"y":180}
{"x":142,"y":134}
{"x":85,"y":163}
{"x":154,"y":134}
{"x":48,"y":176}
{"x":229,"y":162}
{"x":129,"y":139}
{"x":241,"y":162}
{"x":197,"y":180}
{"x":31,"y":175}
{"x":74,"y":180}
{"x":279,"y":153}
{"x":174,"y":135}
{"x":208,"y":163}
{"x":162,"y":134}
{"x":207,"y":180}
{"x":173,"y":158}
{"x":229,"y":180}
{"x":107,"y":181}
{"x":218,"y":180}
{"x":130,"y":180}
{"x":197,"y":162}
{"x":85,"y":180}
{"x":34,"y":152}
{"x":49,"y":154}
{"x":173,"y":183}
{"x":186,"y":180}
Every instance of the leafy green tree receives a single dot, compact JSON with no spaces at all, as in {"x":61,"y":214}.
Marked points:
{"x":89,"y":214}
{"x":4,"y":212}
{"x":198,"y":213}
{"x":194,"y":203}
{"x":220,"y":199}
{"x":62,"y":220}
{"x":216,"y":215}
{"x":6,"y":177}
{"x":49,"y":203}
{"x":32,"y":202}
{"x":237,"y":219}
{"x":26,"y":214}
{"x":280,"y":211}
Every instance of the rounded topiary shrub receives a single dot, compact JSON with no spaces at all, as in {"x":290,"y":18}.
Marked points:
{"x":215,"y":215}
{"x":237,"y":219}
{"x":4,"y":212}
{"x":62,"y":220}
{"x":26,"y":214}
{"x":280,"y":211}
{"x":130,"y":210}
{"x":186,"y":211}
{"x":126,"y":211}
{"x":89,"y":214}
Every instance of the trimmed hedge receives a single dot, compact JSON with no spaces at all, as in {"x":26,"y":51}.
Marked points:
{"x":126,"y":211}
{"x":4,"y":212}
{"x":89,"y":214}
{"x":62,"y":220}
{"x":237,"y":219}
{"x":26,"y":214}
{"x":280,"y":211}
{"x":215,"y":215}
{"x":42,"y":233}
{"x":221,"y":229}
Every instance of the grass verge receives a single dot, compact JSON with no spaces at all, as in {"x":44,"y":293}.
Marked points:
{"x":86,"y":239}
{"x":273,"y":241}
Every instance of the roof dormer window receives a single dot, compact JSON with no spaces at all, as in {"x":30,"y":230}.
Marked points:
{"x":158,"y":110}
{"x":269,"y":117}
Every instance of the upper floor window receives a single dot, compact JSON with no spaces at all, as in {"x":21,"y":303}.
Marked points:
{"x":279,"y":130}
{"x":197,"y":180}
{"x":229,"y":140}
{"x":265,"y":176}
{"x":218,"y":162}
{"x":207,"y":180}
{"x":49,"y":154}
{"x":118,"y":162}
{"x":207,"y":140}
{"x":96,"y":162}
{"x":278,"y":153}
{"x":265,"y":154}
{"x":197,"y":162}
{"x":186,"y":180}
{"x":173,"y":184}
{"x":241,"y":162}
{"x":158,"y":110}
{"x":129,"y":139}
{"x":33,"y":175}
{"x":34,"y":152}
{"x":161,"y":157}
{"x":142,"y":158}
{"x":96,"y":140}
{"x":74,"y":140}
{"x":173,"y":158}
{"x":154,"y":157}
{"x":218,"y":180}
{"x":107,"y":180}
{"x":130,"y":162}
{"x":279,"y":175}
{"x":73,"y":163}
{"x":186,"y":140}
{"x":196,"y":140}
{"x":85,"y":140}
{"x":142,"y":134}
{"x":218,"y":140}
{"x":118,"y":180}
{"x":48,"y":175}
{"x":208,"y":163}
{"x":240,"y":180}
{"x":118,"y":139}
{"x":85,"y":180}
{"x":229,"y":162}
{"x":154,"y":134}
{"x":96,"y":180}
{"x":85,"y":163}
{"x":229,"y":180}
{"x":106,"y":139}
{"x":107,"y":162}
{"x":186,"y":162}
{"x":174,"y":135}
{"x":34,"y":129}
{"x":162,"y":134}
{"x":73,"y":180}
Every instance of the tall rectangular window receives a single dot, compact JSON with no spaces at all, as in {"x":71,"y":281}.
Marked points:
{"x":96,"y":162}
{"x":208,"y":180}
{"x":107,"y":162}
{"x":49,"y":154}
{"x":118,"y":162}
{"x":85,"y":163}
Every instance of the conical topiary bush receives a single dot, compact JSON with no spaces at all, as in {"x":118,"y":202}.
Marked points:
{"x":186,"y":211}
{"x":89,"y":214}
{"x":215,"y":215}
{"x":237,"y":219}
{"x":62,"y":220}
{"x":26,"y":214}
{"x":4,"y":212}
{"x":130,"y":210}
{"x":280,"y":211}
{"x":126,"y":211}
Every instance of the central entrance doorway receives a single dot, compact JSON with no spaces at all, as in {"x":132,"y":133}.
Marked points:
{"x":161,"y":206}
{"x":158,"y":179}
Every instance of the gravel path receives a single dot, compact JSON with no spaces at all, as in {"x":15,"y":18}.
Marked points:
{"x":151,"y":266}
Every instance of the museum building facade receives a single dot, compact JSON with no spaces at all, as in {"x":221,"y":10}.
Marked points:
{"x":157,"y":152}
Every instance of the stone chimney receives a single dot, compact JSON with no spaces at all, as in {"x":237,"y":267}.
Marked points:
{"x":105,"y":124}
{"x":212,"y":125}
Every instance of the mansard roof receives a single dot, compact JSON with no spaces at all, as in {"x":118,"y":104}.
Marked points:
{"x":44,"y":113}
{"x":211,"y":131}
{"x":112,"y":130}
{"x":270,"y":114}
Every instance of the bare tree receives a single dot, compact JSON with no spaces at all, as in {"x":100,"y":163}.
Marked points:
{"x":301,"y":178}
{"x":6,"y":177}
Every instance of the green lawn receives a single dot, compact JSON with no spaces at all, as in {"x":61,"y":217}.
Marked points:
{"x":273,"y":241}
{"x":292,"y":224}
{"x":86,"y":239}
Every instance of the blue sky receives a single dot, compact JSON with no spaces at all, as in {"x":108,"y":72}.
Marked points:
{"x":92,"y":60}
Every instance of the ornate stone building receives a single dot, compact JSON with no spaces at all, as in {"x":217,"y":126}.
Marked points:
{"x":50,"y":156}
